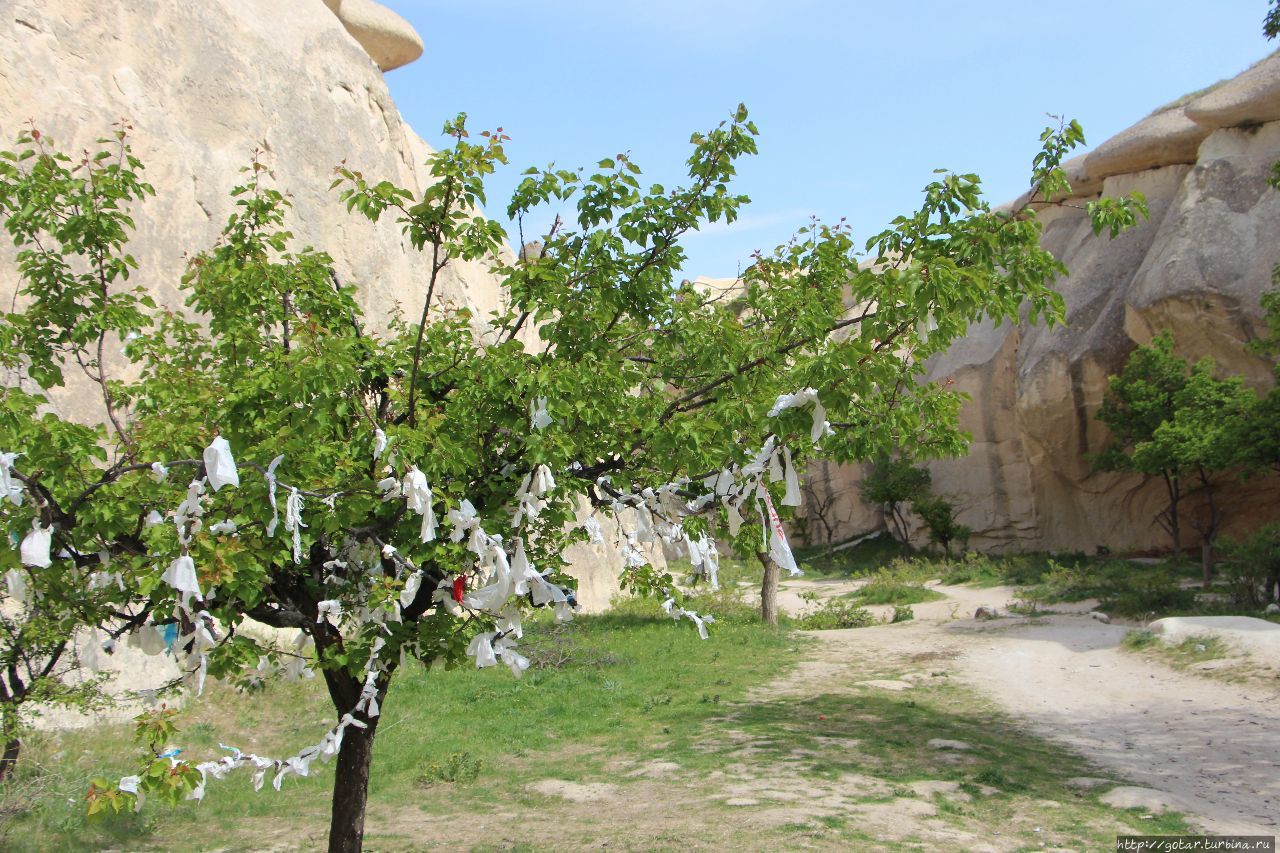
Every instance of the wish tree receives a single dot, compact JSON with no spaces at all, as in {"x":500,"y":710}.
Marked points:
{"x":402,"y":496}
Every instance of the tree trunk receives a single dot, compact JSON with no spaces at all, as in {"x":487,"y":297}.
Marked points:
{"x":351,"y":789}
{"x":1206,"y":560}
{"x":769,"y":589}
{"x":1175,"y":529}
{"x":9,"y":759}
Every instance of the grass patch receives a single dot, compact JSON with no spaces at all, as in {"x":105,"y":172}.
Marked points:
{"x":619,"y":682}
{"x":1181,"y":655}
{"x":866,"y":557}
{"x":834,"y":614}
{"x":885,"y":588}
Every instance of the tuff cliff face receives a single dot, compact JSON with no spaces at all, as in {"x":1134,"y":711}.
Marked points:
{"x":201,"y":85}
{"x":1196,"y":268}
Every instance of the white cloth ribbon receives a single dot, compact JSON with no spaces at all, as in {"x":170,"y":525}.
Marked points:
{"x":293,"y":521}
{"x":792,"y":497}
{"x":271,"y":494}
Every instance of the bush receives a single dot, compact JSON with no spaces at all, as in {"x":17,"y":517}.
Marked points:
{"x":1066,"y":583}
{"x":459,"y":768}
{"x":886,"y":587}
{"x":836,"y":613}
{"x":1145,"y":593}
{"x":1253,"y":575}
{"x":902,"y":613}
{"x":939,"y":517}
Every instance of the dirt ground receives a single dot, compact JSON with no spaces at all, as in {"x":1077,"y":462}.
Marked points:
{"x":1193,"y":742}
{"x":1212,"y":746}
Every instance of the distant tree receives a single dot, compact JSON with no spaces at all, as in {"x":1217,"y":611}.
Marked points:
{"x":1202,"y":440}
{"x":1138,"y":400}
{"x":1185,"y":427}
{"x":939,"y":517}
{"x":893,"y":484}
{"x":820,"y":500}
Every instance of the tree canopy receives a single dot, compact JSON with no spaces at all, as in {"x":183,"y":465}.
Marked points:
{"x":406,"y":494}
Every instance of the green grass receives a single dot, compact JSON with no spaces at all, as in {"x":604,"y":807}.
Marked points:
{"x":866,"y":557}
{"x":885,"y":588}
{"x":457,"y":751}
{"x":1185,"y":653}
{"x":631,"y":678}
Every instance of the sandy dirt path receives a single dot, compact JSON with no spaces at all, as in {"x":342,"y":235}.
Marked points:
{"x":1212,"y":747}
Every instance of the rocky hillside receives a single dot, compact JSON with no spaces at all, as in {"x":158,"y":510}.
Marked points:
{"x":1197,"y":268}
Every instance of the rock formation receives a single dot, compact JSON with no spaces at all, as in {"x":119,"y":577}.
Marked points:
{"x":1196,"y":268}
{"x":202,"y":85}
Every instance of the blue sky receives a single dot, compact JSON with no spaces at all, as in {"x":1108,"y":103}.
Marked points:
{"x":856,"y":103}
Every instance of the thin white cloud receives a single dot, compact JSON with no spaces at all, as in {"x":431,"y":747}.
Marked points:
{"x":793,"y":219}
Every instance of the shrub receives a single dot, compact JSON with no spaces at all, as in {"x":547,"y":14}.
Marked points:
{"x":939,"y":517}
{"x":836,"y":613}
{"x":1254,"y":574}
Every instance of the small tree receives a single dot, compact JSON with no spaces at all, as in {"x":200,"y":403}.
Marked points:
{"x":893,"y":485}
{"x":1202,"y":439}
{"x":406,"y":495}
{"x":939,"y":517}
{"x":1138,"y":400}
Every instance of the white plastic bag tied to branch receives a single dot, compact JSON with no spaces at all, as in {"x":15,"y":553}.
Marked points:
{"x":419,"y":499}
{"x":792,"y":496}
{"x":34,"y":550}
{"x":10,"y":485}
{"x":779,"y":550}
{"x":219,"y":466}
{"x":800,"y":398}
{"x":181,"y":575}
{"x":538,"y":417}
{"x":16,"y":584}
{"x":187,"y":517}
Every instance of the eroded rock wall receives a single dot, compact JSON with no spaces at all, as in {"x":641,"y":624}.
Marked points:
{"x":202,"y":84}
{"x":1197,"y":267}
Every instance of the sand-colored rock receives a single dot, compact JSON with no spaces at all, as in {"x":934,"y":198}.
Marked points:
{"x":1147,"y":799}
{"x":1164,"y":139}
{"x":1243,"y":633}
{"x":389,"y":39}
{"x":1248,"y":98}
{"x":203,"y":85}
{"x":1197,"y":268}
{"x":1083,"y":181}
